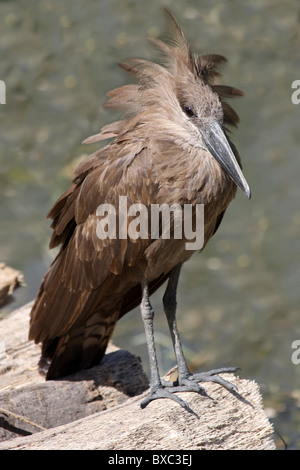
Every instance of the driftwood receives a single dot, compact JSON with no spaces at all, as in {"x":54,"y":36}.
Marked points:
{"x":99,"y":408}
{"x":9,"y":279}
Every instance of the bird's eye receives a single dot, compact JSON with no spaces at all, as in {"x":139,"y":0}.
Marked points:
{"x":188,"y":111}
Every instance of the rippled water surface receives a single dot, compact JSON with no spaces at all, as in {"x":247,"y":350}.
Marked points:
{"x":238,"y":302}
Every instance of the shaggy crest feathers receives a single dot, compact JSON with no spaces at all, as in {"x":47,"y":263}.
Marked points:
{"x":179,"y":64}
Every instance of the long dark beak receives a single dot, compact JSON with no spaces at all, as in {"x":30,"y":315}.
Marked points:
{"x":217,"y":144}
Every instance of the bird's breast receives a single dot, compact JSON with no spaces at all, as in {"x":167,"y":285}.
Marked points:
{"x":194,"y":177}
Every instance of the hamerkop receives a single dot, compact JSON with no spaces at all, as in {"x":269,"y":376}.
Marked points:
{"x":170,"y":147}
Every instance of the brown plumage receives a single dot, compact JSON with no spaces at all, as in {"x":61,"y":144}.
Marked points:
{"x":163,"y":151}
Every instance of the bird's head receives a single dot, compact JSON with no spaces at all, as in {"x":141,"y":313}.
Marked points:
{"x":179,"y":100}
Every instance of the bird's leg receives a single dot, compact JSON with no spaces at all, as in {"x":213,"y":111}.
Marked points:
{"x":157,"y":389}
{"x":186,"y":380}
{"x":148,"y":315}
{"x":170,"y":305}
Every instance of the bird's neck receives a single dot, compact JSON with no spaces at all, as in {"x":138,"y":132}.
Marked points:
{"x":191,"y":175}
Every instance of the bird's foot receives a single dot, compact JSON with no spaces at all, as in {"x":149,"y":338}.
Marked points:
{"x":190,"y":383}
{"x":168,"y":392}
{"x":212,"y":376}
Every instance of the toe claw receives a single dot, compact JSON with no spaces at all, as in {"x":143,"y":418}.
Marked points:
{"x":190,"y":383}
{"x":212,"y":376}
{"x":165,"y":393}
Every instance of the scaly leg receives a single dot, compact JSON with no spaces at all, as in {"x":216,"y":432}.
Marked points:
{"x":186,"y":380}
{"x":157,"y":389}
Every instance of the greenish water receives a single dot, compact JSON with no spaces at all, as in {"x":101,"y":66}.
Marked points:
{"x":238,"y":302}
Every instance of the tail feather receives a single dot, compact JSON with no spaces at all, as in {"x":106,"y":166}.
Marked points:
{"x":82,"y":347}
{"x":73,"y":326}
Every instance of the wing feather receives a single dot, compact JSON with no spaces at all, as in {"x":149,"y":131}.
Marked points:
{"x":85,"y":262}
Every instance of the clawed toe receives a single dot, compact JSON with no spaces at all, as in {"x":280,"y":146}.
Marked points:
{"x":212,"y":376}
{"x":162,"y":392}
{"x":189,"y":383}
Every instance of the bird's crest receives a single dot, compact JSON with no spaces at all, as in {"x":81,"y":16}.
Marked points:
{"x":179,"y":62}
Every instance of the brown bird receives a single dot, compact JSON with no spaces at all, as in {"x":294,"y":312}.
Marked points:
{"x":170,"y":147}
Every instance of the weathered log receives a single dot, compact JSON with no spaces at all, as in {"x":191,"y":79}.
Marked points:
{"x":24,"y":393}
{"x":9,"y":279}
{"x":99,"y":408}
